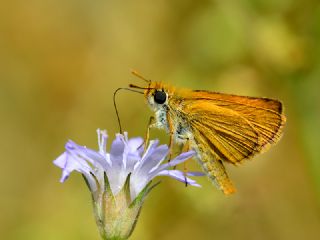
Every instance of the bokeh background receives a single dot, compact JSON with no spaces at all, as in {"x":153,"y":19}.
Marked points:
{"x":60,"y":62}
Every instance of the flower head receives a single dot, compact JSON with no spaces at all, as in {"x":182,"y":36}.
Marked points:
{"x":120,"y":179}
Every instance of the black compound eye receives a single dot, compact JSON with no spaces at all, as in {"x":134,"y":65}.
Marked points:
{"x":160,"y":97}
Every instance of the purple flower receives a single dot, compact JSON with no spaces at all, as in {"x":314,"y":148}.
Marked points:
{"x":121,"y":177}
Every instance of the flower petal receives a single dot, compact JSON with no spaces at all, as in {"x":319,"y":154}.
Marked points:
{"x":69,"y":162}
{"x":92,"y":156}
{"x":179,"y":159}
{"x":196,"y":174}
{"x":117,"y":174}
{"x":116,"y":153}
{"x":152,"y":145}
{"x":61,"y":160}
{"x":135,"y":143}
{"x":137,"y":184}
{"x":132,"y":160}
{"x":153,"y":160}
{"x":102,"y":140}
{"x":178,"y":175}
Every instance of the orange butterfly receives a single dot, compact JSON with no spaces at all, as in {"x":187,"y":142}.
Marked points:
{"x":219,"y":127}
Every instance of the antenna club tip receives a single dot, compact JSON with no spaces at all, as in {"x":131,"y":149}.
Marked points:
{"x":134,"y":72}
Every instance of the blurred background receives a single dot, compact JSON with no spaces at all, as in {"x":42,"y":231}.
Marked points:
{"x":60,"y":63}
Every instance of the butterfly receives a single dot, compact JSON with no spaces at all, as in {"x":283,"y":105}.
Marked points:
{"x":221,"y":128}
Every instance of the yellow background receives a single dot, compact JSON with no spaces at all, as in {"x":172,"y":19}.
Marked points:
{"x":60,"y":62}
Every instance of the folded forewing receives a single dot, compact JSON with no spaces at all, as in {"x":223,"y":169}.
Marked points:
{"x":234,"y":128}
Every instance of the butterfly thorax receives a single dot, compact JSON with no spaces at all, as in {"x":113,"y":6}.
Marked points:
{"x":170,"y":108}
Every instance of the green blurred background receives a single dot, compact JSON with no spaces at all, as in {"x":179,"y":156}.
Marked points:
{"x":60,"y":62}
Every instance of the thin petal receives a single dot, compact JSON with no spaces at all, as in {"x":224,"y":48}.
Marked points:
{"x":92,"y":156}
{"x":179,"y":159}
{"x":152,"y":145}
{"x":135,"y":143}
{"x":116,"y":152}
{"x":137,"y":183}
{"x":196,"y":174}
{"x":70,"y":162}
{"x":140,"y":176}
{"x":102,"y":140}
{"x":178,"y":175}
{"x":132,"y":160}
{"x":117,"y":174}
{"x":154,"y":160}
{"x":61,"y":160}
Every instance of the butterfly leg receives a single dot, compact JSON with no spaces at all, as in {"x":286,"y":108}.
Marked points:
{"x":171,"y":133}
{"x":147,"y":137}
{"x":185,"y":148}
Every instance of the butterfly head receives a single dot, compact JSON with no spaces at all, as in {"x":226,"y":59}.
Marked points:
{"x":156,"y":93}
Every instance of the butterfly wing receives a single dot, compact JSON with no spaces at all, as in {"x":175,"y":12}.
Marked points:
{"x":229,"y":128}
{"x":234,"y":127}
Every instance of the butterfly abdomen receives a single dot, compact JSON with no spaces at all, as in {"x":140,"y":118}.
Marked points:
{"x":214,"y":169}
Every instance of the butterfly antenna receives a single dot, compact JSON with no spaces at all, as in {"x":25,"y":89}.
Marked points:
{"x":134,"y":72}
{"x":115,"y":105}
